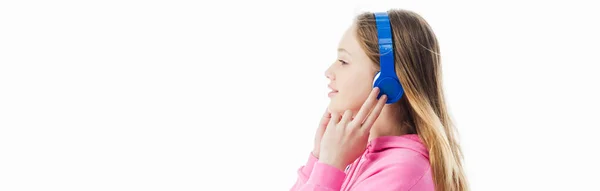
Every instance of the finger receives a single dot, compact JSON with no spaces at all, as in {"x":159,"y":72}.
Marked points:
{"x":346,"y":118}
{"x":374,"y":114}
{"x":327,"y":114}
{"x":335,"y":118}
{"x":365,"y":109}
{"x":325,"y":118}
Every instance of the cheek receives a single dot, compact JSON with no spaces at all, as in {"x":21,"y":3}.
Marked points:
{"x":354,"y":93}
{"x":358,"y":88}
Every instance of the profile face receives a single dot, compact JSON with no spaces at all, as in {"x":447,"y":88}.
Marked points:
{"x":351,"y":75}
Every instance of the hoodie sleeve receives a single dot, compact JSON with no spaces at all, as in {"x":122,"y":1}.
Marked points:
{"x":316,"y":176}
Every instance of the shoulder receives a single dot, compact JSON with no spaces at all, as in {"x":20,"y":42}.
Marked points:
{"x":398,"y":162}
{"x":403,"y":161}
{"x":399,"y":168}
{"x":406,"y":152}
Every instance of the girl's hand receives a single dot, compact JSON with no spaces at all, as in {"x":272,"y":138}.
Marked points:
{"x":346,"y":139}
{"x":320,"y":130}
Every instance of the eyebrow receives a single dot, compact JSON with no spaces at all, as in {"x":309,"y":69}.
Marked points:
{"x":342,"y":50}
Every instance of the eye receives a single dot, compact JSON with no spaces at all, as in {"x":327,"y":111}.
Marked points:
{"x":343,"y":62}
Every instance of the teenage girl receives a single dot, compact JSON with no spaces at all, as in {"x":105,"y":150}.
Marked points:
{"x":387,"y":125}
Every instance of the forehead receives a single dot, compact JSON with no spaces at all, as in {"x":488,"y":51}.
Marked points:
{"x":349,"y":42}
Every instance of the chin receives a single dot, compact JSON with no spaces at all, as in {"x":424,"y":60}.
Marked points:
{"x":338,"y":107}
{"x":333,"y":107}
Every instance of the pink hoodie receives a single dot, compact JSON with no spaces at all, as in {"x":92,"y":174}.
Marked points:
{"x":388,"y":163}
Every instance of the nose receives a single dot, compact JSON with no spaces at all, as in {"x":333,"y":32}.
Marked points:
{"x":329,"y":73}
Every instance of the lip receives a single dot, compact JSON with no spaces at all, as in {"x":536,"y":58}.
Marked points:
{"x":332,"y":89}
{"x":332,"y":92}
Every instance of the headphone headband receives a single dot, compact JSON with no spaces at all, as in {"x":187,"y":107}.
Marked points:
{"x":386,"y":44}
{"x":386,"y":79}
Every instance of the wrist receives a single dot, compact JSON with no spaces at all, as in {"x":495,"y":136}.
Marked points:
{"x":334,"y":164}
{"x":315,"y":154}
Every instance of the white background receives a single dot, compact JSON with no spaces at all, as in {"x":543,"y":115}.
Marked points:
{"x":184,"y":95}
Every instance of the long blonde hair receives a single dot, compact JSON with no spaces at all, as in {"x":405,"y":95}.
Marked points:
{"x":417,"y":62}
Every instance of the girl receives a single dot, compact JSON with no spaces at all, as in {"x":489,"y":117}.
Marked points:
{"x":363,"y":143}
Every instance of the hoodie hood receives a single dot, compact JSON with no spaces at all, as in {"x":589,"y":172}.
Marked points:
{"x":408,"y":141}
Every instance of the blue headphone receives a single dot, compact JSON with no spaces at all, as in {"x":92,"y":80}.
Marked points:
{"x":386,"y":79}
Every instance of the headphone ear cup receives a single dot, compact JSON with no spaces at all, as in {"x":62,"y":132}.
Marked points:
{"x":395,"y":92}
{"x":390,"y":86}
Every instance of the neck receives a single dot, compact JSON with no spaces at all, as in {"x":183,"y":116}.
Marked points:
{"x":389,"y":123}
